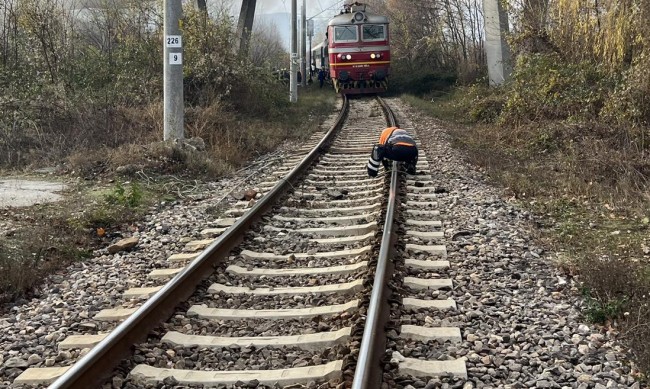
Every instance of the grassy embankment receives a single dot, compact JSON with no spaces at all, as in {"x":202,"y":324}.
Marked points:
{"x":44,"y":238}
{"x":561,"y":145}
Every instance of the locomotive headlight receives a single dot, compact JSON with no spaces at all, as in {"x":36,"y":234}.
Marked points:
{"x":349,"y":57}
{"x":373,"y":56}
{"x":378,"y":55}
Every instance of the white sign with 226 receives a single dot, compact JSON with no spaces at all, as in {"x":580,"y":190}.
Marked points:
{"x":174,"y":41}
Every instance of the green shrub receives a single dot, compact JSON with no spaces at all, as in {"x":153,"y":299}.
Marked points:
{"x":128,"y":197}
{"x":600,"y":311}
{"x":422,"y":82}
{"x":544,"y":87}
{"x":214,"y":74}
{"x":465,"y":104}
{"x":488,"y":109}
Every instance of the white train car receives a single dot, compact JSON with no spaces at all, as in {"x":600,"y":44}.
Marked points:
{"x":319,"y":56}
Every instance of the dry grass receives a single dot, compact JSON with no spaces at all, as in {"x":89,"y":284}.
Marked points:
{"x":230,"y":140}
{"x":40,"y":241}
{"x":43,"y":238}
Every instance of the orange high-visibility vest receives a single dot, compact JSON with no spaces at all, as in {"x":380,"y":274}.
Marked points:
{"x":386,"y":134}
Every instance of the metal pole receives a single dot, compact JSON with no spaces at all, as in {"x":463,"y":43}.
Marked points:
{"x":293,"y":77}
{"x":173,"y":69}
{"x":303,"y":41}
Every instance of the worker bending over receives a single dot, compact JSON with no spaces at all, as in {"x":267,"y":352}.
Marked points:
{"x":394,"y":144}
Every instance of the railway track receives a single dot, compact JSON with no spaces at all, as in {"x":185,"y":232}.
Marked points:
{"x":301,"y":298}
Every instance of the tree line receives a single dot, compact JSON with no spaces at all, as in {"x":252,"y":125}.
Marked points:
{"x":77,"y":74}
{"x":603,"y":42}
{"x":71,"y":76}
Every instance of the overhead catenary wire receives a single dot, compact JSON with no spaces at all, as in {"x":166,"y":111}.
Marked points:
{"x":326,"y":9}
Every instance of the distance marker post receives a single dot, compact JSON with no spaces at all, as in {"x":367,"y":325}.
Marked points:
{"x":174,"y":116}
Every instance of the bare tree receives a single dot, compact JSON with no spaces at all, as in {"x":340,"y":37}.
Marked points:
{"x":534,"y":22}
{"x":266,"y":47}
{"x":8,"y":31}
{"x":431,"y":35}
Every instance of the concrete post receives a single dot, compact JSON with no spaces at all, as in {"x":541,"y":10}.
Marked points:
{"x":293,"y":77}
{"x":497,"y":50}
{"x":310,"y":34}
{"x":309,"y":59}
{"x":200,"y":5}
{"x":245,"y":25}
{"x":303,"y":43}
{"x":174,"y":119}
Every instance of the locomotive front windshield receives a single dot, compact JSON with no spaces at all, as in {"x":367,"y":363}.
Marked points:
{"x":346,"y":34}
{"x":374,"y":32}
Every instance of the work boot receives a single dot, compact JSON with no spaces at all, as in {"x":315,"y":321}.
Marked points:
{"x":410,"y":167}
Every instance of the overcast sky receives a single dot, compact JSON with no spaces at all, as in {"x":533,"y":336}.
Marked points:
{"x":321,"y":10}
{"x":313,"y":6}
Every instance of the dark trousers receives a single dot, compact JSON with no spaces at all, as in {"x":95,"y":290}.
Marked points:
{"x":401,"y":153}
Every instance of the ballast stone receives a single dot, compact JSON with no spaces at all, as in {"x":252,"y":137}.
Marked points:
{"x":123,"y":245}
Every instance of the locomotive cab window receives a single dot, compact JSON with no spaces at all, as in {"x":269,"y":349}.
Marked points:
{"x":374,"y":32}
{"x":343,"y":34}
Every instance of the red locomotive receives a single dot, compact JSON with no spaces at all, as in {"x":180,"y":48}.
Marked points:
{"x":358,"y":51}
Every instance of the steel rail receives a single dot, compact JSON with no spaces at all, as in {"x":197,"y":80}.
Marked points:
{"x":98,"y":364}
{"x":367,"y":373}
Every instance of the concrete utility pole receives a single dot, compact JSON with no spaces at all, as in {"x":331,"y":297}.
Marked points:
{"x":310,"y":34}
{"x":303,"y":43}
{"x":174,"y":120}
{"x":293,"y":77}
{"x":245,"y":25}
{"x":496,"y":47}
{"x":200,"y":5}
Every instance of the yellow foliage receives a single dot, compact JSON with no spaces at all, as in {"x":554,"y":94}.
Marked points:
{"x":608,"y":31}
